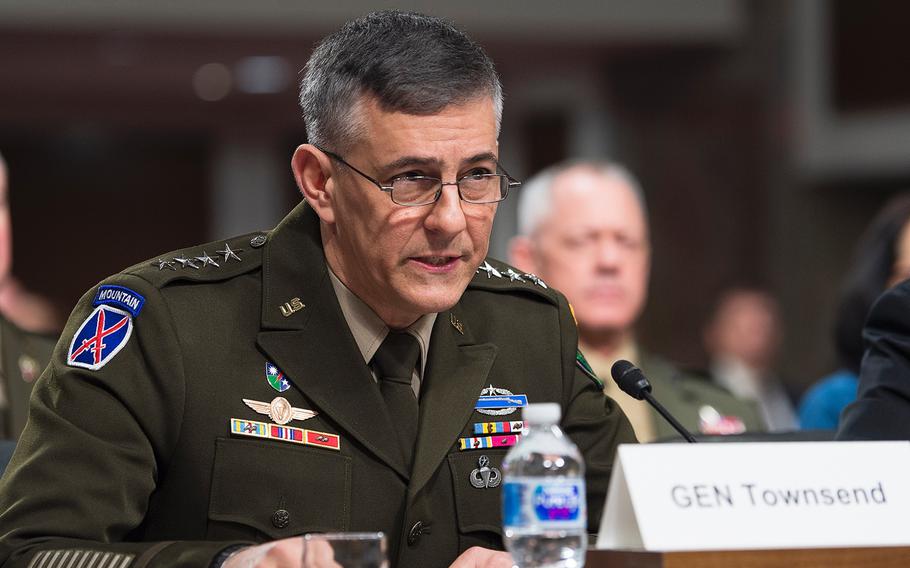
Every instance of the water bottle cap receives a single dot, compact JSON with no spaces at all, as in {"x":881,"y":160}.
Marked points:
{"x":542,"y":413}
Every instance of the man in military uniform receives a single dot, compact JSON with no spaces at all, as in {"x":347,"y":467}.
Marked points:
{"x":361,"y":367}
{"x":583,"y":228}
{"x":26,"y":333}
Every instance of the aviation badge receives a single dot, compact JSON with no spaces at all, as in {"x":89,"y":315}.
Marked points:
{"x":495,"y":401}
{"x":276,"y":377}
{"x":101,"y":336}
{"x":280,"y":410}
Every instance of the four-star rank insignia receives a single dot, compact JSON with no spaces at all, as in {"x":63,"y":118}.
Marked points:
{"x":102,"y":335}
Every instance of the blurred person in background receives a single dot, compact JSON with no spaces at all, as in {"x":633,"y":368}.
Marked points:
{"x":880,"y":261}
{"x":742,"y":339}
{"x":583,"y":229}
{"x":28,"y":326}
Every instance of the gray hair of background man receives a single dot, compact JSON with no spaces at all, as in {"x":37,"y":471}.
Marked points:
{"x":409,"y":62}
{"x":535,"y":196}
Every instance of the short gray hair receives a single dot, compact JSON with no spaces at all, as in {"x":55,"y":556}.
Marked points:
{"x":409,"y":62}
{"x":536,"y":194}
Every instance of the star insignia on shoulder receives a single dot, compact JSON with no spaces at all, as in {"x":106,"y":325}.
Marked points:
{"x":513,"y":276}
{"x":163,"y":263}
{"x":184,"y":262}
{"x":536,"y":280}
{"x":488,"y":268}
{"x":205,"y":259}
{"x":229,"y":253}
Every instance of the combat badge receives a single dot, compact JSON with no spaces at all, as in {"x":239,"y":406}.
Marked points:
{"x":276,"y":377}
{"x":485,"y":477}
{"x":495,"y":401}
{"x":280,"y":410}
{"x":102,"y":335}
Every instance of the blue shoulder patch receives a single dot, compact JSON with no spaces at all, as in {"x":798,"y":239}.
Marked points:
{"x":121,"y":297}
{"x":101,"y":336}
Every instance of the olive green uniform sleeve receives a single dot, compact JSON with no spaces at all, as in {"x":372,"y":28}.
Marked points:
{"x":96,"y":444}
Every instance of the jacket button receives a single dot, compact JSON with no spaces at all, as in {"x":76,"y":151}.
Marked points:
{"x":414,"y":533}
{"x":281,"y":518}
{"x":258,"y":241}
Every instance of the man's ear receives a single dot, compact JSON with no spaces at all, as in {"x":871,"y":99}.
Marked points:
{"x":313,"y":172}
{"x":521,"y":254}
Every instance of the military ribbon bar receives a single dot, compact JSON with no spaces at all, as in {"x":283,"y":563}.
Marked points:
{"x":500,"y":427}
{"x":488,"y":442}
{"x":291,"y":434}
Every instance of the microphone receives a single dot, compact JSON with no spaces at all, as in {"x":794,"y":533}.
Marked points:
{"x":634,"y":383}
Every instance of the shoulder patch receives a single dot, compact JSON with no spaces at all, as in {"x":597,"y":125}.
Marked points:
{"x":121,"y":297}
{"x":100,"y":337}
{"x":585,"y":367}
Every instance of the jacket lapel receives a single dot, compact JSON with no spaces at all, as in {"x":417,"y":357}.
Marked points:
{"x":457,"y":369}
{"x":314,"y":346}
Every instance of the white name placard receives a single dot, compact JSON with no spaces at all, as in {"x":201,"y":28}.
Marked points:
{"x":666,"y":497}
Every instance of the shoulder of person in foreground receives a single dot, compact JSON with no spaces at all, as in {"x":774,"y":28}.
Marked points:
{"x":882,"y":407}
{"x":107,"y":413}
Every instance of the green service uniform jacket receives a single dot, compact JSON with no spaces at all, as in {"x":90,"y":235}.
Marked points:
{"x":137,"y":460}
{"x":23,"y":355}
{"x":685,"y":395}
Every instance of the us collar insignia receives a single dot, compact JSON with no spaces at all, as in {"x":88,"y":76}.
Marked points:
{"x":488,"y":268}
{"x":291,"y":434}
{"x":101,"y":336}
{"x":280,"y":410}
{"x":276,"y":377}
{"x":291,"y":306}
{"x":496,"y":401}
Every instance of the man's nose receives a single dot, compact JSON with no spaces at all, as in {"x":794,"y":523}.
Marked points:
{"x":447,"y":213}
{"x":608,"y":254}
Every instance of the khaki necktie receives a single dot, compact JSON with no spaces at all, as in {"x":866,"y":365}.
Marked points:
{"x":394,"y":363}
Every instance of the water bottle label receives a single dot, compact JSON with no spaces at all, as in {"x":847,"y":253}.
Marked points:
{"x":552,"y":503}
{"x":560,"y":502}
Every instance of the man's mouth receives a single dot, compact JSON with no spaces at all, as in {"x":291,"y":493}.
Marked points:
{"x":436,"y":262}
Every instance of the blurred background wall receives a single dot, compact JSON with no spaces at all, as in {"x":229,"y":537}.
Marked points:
{"x":766,"y":133}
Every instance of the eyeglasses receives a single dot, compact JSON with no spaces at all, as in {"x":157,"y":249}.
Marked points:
{"x":413,"y":191}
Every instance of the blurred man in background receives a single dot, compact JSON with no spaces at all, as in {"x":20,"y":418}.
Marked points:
{"x":742,"y":339}
{"x":27,"y":326}
{"x":583,"y":229}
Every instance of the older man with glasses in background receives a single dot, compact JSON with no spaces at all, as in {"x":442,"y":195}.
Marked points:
{"x":332,"y":374}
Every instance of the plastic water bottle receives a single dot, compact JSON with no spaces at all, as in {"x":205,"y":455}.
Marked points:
{"x":544,"y":507}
